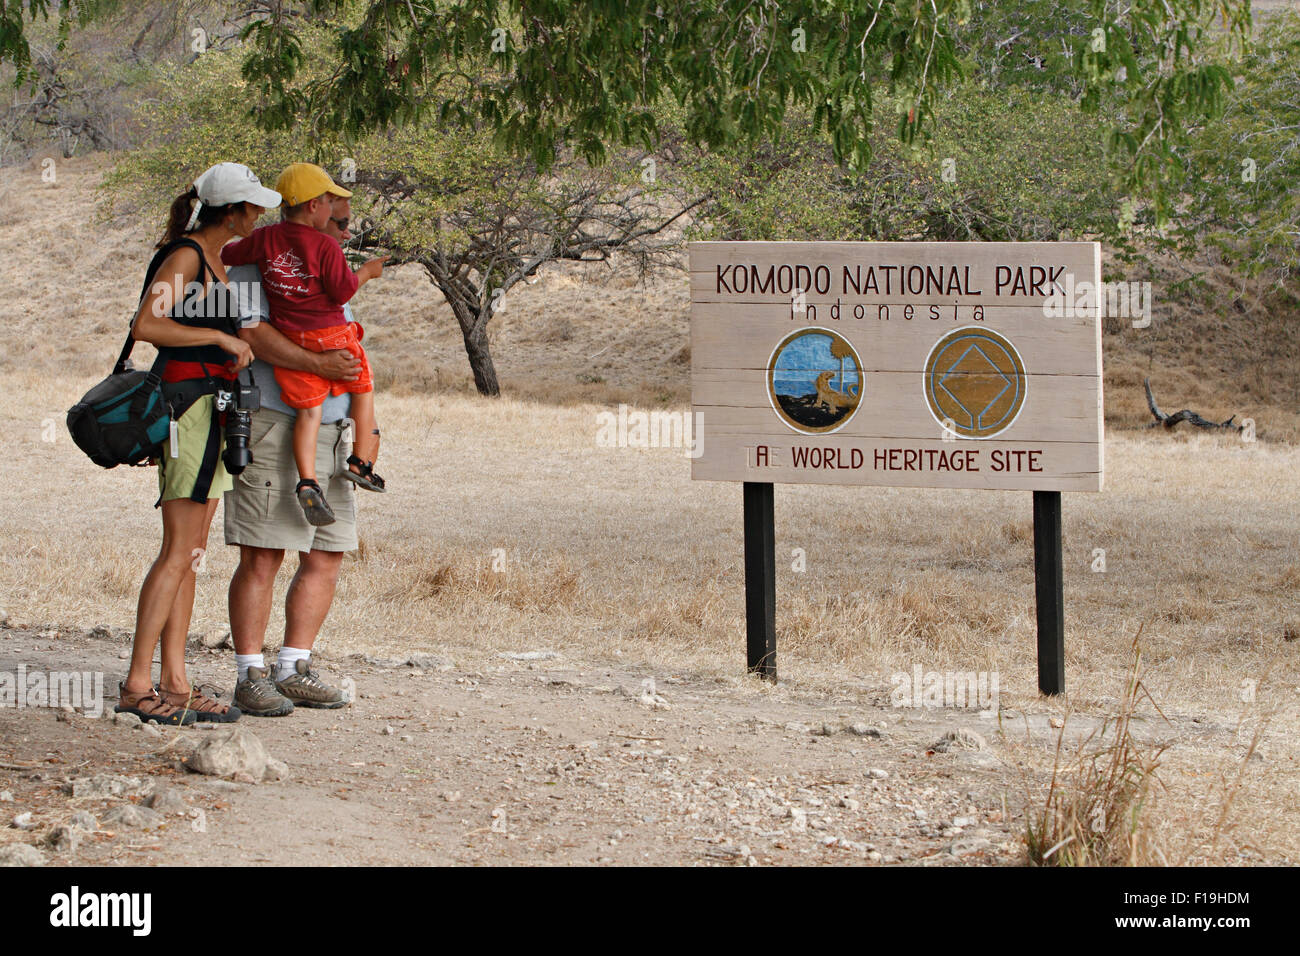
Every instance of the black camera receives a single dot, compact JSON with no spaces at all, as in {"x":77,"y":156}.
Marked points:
{"x":239,"y":404}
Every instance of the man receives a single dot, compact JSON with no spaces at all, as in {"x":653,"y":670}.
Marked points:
{"x":263,"y":518}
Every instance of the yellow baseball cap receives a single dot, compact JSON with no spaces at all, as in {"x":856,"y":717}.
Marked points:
{"x":303,"y":182}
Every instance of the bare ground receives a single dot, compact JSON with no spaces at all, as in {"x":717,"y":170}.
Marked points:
{"x":494,"y":760}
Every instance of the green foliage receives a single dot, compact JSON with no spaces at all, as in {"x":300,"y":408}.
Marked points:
{"x":1003,"y":166}
{"x":14,"y":17}
{"x":547,"y":74}
{"x":1241,"y":184}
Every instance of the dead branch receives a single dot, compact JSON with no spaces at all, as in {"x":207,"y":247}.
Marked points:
{"x":1186,"y":415}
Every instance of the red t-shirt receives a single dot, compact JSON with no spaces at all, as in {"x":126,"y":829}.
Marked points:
{"x":304,"y":275}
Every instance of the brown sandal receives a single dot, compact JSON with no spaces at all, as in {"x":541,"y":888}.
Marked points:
{"x":149,"y":706}
{"x":202,"y":706}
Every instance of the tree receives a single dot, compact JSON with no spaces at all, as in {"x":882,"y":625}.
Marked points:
{"x":481,"y":232}
{"x":546,"y":73}
{"x":840,"y":350}
{"x":478,"y":219}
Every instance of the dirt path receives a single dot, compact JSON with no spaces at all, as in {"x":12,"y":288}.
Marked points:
{"x":518,"y":761}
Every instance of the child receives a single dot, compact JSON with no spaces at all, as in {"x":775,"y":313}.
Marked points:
{"x":306,"y":281}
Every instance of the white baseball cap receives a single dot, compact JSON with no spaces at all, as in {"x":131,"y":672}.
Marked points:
{"x":234,"y":182}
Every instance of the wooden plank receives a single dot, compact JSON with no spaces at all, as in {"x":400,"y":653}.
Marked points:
{"x":981,"y":352}
{"x":1063,"y":466}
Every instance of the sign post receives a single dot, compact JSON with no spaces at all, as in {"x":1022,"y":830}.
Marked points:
{"x":760,"y":580}
{"x":931,"y":365}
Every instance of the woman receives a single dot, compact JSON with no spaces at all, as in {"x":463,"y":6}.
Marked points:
{"x":189,"y":312}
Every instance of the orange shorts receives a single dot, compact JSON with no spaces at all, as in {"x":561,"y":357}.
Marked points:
{"x":307,"y":389}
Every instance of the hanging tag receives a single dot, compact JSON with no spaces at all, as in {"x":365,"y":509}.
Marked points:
{"x":347,"y":432}
{"x":173,"y":439}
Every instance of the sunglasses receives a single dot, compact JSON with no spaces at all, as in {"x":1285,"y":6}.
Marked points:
{"x":341,"y":223}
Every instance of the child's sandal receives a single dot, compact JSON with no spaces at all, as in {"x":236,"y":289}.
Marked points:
{"x":313,"y":503}
{"x":364,"y":475}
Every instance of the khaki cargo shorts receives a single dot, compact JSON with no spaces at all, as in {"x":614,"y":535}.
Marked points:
{"x":262,"y":509}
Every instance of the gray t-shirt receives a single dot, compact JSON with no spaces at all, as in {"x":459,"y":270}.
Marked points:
{"x":247,"y":282}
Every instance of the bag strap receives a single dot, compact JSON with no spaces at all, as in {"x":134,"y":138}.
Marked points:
{"x":154,"y":265}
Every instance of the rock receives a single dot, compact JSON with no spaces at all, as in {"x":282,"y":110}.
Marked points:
{"x":959,"y":739}
{"x":64,"y":838}
{"x":166,"y":800}
{"x":873,"y":856}
{"x":451,"y":796}
{"x":23,"y":821}
{"x":826,"y":730}
{"x":649,"y":698}
{"x":384,"y":661}
{"x":875,"y":773}
{"x":406,"y":738}
{"x":237,"y":751}
{"x":129,"y":721}
{"x":133,"y":817}
{"x":862,"y":730}
{"x":276,"y":770}
{"x":149,"y":730}
{"x":427,"y":661}
{"x":20,"y":854}
{"x":1056,"y":723}
{"x":216,"y":639}
{"x":967,"y":844}
{"x":124,"y":654}
{"x":848,"y":803}
{"x":6,"y":796}
{"x":103,"y":786}
{"x":798,"y":820}
{"x":101,"y":632}
{"x":4,"y":618}
{"x":530,"y":656}
{"x":85,"y":820}
{"x":387,"y":730}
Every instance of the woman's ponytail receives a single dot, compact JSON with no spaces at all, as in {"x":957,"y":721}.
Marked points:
{"x":178,"y":219}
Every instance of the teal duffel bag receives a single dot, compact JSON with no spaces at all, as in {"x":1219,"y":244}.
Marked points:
{"x":123,"y":420}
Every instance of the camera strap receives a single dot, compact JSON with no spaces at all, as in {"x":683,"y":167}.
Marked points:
{"x":211,"y":450}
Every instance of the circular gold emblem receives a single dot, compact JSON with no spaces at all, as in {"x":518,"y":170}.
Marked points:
{"x":974,"y":382}
{"x":814,"y":380}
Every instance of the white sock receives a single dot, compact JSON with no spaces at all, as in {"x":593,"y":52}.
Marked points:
{"x":285,"y":660}
{"x":245,"y":661}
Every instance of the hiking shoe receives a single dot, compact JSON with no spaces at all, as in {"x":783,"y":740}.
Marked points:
{"x":305,"y":688}
{"x":257,"y":696}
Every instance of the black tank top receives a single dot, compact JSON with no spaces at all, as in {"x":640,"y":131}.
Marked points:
{"x":204,"y":306}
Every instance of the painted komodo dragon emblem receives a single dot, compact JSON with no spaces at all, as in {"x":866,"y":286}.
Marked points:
{"x":832,"y":400}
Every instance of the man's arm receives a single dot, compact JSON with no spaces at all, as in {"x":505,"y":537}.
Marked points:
{"x":270,"y":345}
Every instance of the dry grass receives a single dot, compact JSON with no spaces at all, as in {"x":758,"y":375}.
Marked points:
{"x":1098,"y":810}
{"x":617,"y":553}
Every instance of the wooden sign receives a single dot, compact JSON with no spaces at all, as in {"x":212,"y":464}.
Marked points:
{"x":929,"y":364}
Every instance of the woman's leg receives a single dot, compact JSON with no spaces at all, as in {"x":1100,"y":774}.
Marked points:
{"x":306,"y":428}
{"x":184,"y":523}
{"x":175,"y":632}
{"x":366,"y":445}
